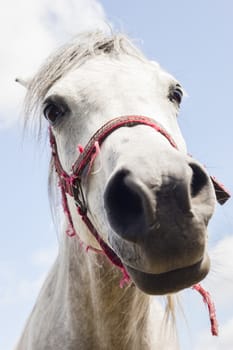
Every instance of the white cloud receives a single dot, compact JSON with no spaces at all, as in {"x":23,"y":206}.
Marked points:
{"x":14,"y":288}
{"x":220,"y":279}
{"x":29,"y":32}
{"x":220,"y":284}
{"x":66,"y":18}
{"x":223,"y":342}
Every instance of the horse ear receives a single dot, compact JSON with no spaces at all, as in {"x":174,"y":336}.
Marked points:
{"x":24,"y":82}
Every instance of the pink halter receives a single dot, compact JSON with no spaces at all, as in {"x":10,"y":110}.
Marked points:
{"x":72,"y":185}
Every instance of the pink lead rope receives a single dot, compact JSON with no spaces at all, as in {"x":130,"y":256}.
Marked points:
{"x":211,"y":307}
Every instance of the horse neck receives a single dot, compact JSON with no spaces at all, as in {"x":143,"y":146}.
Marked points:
{"x":114,"y":318}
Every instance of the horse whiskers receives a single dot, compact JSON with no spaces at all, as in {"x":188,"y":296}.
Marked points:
{"x":133,"y":304}
{"x":169,"y":325}
{"x":170,"y":307}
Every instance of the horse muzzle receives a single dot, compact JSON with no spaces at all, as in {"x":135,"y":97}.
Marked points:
{"x":159,"y":223}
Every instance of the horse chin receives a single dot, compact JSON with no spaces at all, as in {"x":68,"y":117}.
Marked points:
{"x":172,"y":281}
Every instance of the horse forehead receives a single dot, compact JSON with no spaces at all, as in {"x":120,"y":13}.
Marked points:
{"x":115,"y":87}
{"x":128,"y":71}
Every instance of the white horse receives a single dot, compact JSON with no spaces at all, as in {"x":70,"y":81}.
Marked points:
{"x":134,"y":198}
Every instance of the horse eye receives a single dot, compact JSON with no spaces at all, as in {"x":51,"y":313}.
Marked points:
{"x":53,"y":111}
{"x":176,"y":94}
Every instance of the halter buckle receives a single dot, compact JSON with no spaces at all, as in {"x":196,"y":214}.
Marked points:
{"x":78,"y":196}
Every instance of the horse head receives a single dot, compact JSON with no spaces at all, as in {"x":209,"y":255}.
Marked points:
{"x":147,"y":198}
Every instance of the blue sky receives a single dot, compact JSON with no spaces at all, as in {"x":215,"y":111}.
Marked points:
{"x":193,"y":41}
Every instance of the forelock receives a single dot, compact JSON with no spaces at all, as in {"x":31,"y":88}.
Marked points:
{"x":70,"y":56}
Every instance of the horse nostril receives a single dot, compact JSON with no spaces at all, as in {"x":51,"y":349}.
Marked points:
{"x":124,"y":205}
{"x":199,"y":179}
